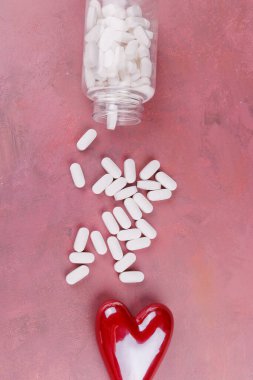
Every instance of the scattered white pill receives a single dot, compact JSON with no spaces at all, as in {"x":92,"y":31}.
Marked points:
{"x":110,"y":167}
{"x":115,"y":186}
{"x":166,"y":181}
{"x":131,"y":277}
{"x":121,"y":217}
{"x":150,"y":169}
{"x":159,"y":195}
{"x":81,"y":239}
{"x":77,"y":274}
{"x":115,"y":248}
{"x":132,"y":208}
{"x":102,"y":184}
{"x":131,"y":234}
{"x":77,"y":175}
{"x":126,"y":261}
{"x":141,"y":243}
{"x":110,"y":222}
{"x":81,"y":258}
{"x":127,"y":192}
{"x":149,"y":185}
{"x":146,"y":228}
{"x":86,"y":140}
{"x":98,"y":242}
{"x":143,"y":203}
{"x":130,"y":170}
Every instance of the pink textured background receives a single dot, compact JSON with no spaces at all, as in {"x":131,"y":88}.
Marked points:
{"x":199,"y":125}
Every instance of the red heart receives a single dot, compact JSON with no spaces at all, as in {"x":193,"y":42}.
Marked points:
{"x":132,"y":348}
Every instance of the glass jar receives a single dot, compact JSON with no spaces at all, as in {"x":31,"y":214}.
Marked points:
{"x":119,"y":61}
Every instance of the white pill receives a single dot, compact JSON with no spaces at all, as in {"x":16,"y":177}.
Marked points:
{"x":116,"y":23}
{"x":81,"y":239}
{"x":112,"y":117}
{"x":77,"y":175}
{"x":81,"y":258}
{"x":131,"y":277}
{"x":115,"y":186}
{"x":127,"y":192}
{"x":110,"y":167}
{"x":131,"y":49}
{"x":148,"y":185}
{"x":94,"y":34}
{"x":166,"y":181}
{"x":115,"y":248}
{"x":143,"y":51}
{"x":141,"y":243}
{"x":89,"y":78}
{"x":121,"y":217}
{"x":98,"y":242}
{"x":102,"y":184}
{"x":150,"y":169}
{"x":134,"y":11}
{"x":143,"y":203}
{"x":77,"y":274}
{"x":141,"y":36}
{"x":86,"y":140}
{"x":91,"y":17}
{"x":146,"y":228}
{"x":130,"y":170}
{"x":131,"y":234}
{"x":159,"y":195}
{"x":125,"y":263}
{"x":132,"y":208}
{"x":133,"y":22}
{"x":110,"y":222}
{"x":146,"y":67}
{"x":107,"y":39}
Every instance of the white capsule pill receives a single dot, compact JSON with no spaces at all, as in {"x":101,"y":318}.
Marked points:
{"x":102,"y":184}
{"x":81,"y":239}
{"x":148,"y":185}
{"x":110,"y":167}
{"x":77,"y":274}
{"x":134,"y":11}
{"x":110,"y":222}
{"x":166,"y":181}
{"x":150,"y":169}
{"x":141,"y":36}
{"x":98,"y":242}
{"x":115,"y":248}
{"x":159,"y":195}
{"x":121,"y":217}
{"x":131,"y":277}
{"x":86,"y":140}
{"x":125,"y":263}
{"x":143,"y":203}
{"x":132,"y":208}
{"x":141,"y":243}
{"x":91,"y":17}
{"x":146,"y":67}
{"x":131,"y":234}
{"x":81,"y":258}
{"x":77,"y":175}
{"x":130,"y":170}
{"x":115,"y":186}
{"x":146,"y":228}
{"x":127,"y":192}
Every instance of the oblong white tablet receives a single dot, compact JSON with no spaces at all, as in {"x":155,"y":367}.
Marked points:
{"x":166,"y":181}
{"x":141,"y":243}
{"x":150,"y":169}
{"x":81,"y":258}
{"x":122,"y":217}
{"x":110,"y":222}
{"x":131,"y":277}
{"x":149,"y":185}
{"x":115,"y":248}
{"x":77,"y":175}
{"x":102,"y":184}
{"x":115,"y":186}
{"x":127,"y":192}
{"x":133,"y":208}
{"x":81,"y":239}
{"x":146,"y":228}
{"x":110,"y":167}
{"x":126,"y":261}
{"x":159,"y":195}
{"x":143,"y":203}
{"x":86,"y":140}
{"x":131,"y":234}
{"x":77,"y":274}
{"x":98,"y":242}
{"x":130,"y":170}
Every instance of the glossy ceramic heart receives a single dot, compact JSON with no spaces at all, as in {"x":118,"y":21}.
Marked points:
{"x":133,"y":347}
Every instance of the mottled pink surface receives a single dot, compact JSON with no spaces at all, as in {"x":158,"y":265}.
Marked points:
{"x":199,"y":125}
